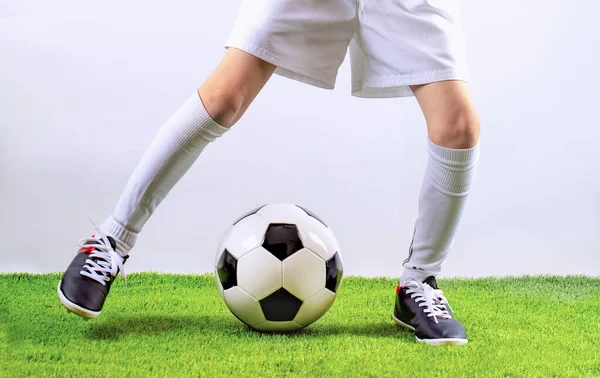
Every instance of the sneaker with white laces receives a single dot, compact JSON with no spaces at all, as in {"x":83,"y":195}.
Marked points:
{"x":422,"y":308}
{"x":86,"y":282}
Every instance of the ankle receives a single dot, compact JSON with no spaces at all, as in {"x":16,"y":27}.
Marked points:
{"x":413,"y":274}
{"x":125,"y":239}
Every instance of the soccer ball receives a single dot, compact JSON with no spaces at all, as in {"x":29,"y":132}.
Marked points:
{"x":279,"y":268}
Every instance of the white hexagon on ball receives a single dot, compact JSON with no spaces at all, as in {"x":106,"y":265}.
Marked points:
{"x":259,"y":273}
{"x":281,"y":213}
{"x":304,"y":274}
{"x":244,"y":306}
{"x":246,"y":235}
{"x":317,"y":237}
{"x":315,"y":307}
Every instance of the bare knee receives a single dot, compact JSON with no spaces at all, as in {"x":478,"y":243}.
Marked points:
{"x":224,"y":106}
{"x":459,"y":128}
{"x":452,"y":120}
{"x":233,"y":85}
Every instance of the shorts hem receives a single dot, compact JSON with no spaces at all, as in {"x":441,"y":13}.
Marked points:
{"x":285,"y":67}
{"x":399,"y":86}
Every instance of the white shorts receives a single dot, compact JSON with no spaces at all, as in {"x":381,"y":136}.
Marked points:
{"x":393,"y":43}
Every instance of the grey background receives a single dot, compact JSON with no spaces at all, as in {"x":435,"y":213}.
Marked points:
{"x":86,"y":85}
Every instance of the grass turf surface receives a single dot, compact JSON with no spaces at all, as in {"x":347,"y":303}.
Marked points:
{"x":173,"y":325}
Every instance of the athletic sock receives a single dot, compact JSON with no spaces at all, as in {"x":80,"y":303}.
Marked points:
{"x":448,"y":179}
{"x":172,"y":152}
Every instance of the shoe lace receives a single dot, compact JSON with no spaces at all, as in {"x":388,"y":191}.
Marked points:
{"x":433,"y":300}
{"x":104,"y":262}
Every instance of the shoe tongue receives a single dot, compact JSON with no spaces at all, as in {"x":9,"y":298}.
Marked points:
{"x":431,"y":282}
{"x":112,"y":242}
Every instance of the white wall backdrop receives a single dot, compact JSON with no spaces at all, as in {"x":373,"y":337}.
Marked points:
{"x":84,"y":86}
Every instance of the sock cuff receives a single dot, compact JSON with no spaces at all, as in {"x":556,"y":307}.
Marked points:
{"x":452,"y":170}
{"x":414,"y":274}
{"x":454,"y":155}
{"x":125,"y":238}
{"x":195,"y":127}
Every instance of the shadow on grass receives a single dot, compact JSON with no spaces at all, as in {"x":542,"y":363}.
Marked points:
{"x":119,"y":326}
{"x":374,"y":329}
{"x":156,"y":324}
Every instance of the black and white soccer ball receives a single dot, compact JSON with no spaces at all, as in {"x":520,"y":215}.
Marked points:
{"x":279,"y":268}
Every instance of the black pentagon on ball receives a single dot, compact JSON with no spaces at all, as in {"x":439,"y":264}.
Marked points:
{"x":254,"y":211}
{"x":281,"y":306}
{"x":226,"y":270}
{"x":310,"y":213}
{"x":334,"y":272}
{"x":282,"y":240}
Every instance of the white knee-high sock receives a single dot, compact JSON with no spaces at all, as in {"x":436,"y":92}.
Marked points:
{"x":448,"y":180}
{"x":172,"y":152}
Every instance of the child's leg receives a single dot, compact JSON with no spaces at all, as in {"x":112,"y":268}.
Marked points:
{"x":453,"y":130}
{"x":226,"y":94}
{"x":218,"y":105}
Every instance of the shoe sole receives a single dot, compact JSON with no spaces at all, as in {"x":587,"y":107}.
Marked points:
{"x":435,"y":342}
{"x":75,"y":309}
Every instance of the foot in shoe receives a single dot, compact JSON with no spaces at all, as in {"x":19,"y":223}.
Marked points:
{"x":422,"y":308}
{"x":86,"y":282}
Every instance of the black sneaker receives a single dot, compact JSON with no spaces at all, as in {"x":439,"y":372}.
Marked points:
{"x":422,"y":308}
{"x":86,"y":283}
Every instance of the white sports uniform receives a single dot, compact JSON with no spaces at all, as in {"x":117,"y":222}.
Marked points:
{"x":393,"y":43}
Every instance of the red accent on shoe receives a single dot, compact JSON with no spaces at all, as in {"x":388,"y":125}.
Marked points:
{"x":398,"y":289}
{"x":87,"y":250}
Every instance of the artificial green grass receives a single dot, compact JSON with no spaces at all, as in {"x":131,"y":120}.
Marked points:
{"x":172,"y":325}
